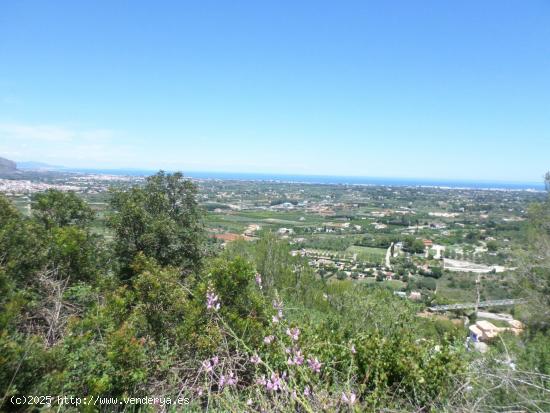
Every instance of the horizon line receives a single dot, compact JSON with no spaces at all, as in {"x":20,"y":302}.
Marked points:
{"x":282,"y":174}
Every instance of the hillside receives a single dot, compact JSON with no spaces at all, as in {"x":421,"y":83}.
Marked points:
{"x":7,"y":166}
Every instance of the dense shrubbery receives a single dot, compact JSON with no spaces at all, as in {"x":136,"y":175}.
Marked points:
{"x":251,"y":329}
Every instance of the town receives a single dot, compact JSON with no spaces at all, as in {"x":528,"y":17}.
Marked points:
{"x":434,"y":246}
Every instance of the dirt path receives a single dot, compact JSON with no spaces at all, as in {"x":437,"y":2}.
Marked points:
{"x":388,"y":255}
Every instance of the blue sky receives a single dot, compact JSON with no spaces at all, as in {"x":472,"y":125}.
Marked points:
{"x":428,"y":89}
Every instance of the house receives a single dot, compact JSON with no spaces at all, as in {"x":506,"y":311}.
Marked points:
{"x":483,"y":330}
{"x":415,"y":295}
{"x":515,"y":324}
{"x":476,"y":334}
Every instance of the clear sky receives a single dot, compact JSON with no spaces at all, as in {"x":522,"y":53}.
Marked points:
{"x":436,"y":89}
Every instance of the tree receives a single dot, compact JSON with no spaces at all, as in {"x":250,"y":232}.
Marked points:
{"x":435,"y":272}
{"x":341,"y":275}
{"x":492,"y":246}
{"x":73,"y":253}
{"x":426,"y":283}
{"x":162,"y":220}
{"x":413,"y":245}
{"x":56,"y":208}
{"x":535,"y":280}
{"x":21,"y":243}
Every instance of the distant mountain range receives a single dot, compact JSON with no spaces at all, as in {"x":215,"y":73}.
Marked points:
{"x":38,"y":166}
{"x":24,"y":170}
{"x":7,"y":166}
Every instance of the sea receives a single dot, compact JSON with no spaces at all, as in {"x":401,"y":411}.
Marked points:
{"x":334,"y":180}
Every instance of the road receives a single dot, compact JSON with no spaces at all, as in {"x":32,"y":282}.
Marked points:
{"x":464,"y":306}
{"x":388,"y":255}
{"x":493,"y":316}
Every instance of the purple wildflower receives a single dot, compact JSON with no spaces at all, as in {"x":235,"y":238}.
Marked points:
{"x":275,"y":319}
{"x":269,"y":339}
{"x":207,"y":366}
{"x":353,"y":351}
{"x":232,"y":379}
{"x":229,"y":380}
{"x":307,"y":391}
{"x":350,"y":399}
{"x":314,"y":365}
{"x":298,"y":358}
{"x":262,"y":381}
{"x":274,"y":383}
{"x":255,"y":359}
{"x":293,"y":333}
{"x":212,"y":300}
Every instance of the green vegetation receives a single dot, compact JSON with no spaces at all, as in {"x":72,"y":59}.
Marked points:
{"x":368,"y":253}
{"x":153,"y":310}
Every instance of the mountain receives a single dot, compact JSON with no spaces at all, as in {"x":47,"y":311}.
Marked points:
{"x":7,"y":166}
{"x":41,"y":166}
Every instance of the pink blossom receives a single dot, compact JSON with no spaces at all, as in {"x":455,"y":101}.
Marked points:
{"x":293,"y":333}
{"x":232,"y":379}
{"x":269,"y":339}
{"x":314,"y":365}
{"x":229,"y":380}
{"x":274,"y":383}
{"x":350,"y":399}
{"x":307,"y":391}
{"x":262,"y":381}
{"x":298,"y":358}
{"x":212,"y":300}
{"x":255,"y":359}
{"x":353,"y":349}
{"x":207,"y":366}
